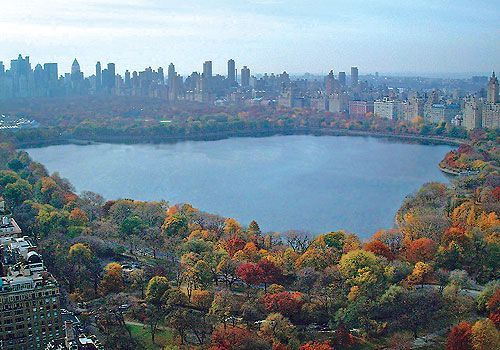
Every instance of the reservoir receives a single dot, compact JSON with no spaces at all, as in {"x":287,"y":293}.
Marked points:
{"x":312,"y":183}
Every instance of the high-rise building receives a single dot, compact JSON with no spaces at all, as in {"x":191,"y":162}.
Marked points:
{"x":231,"y":72}
{"x":20,"y":67}
{"x":75,"y":69}
{"x":51,"y":72}
{"x":98,"y":76}
{"x":29,"y":295}
{"x":161,"y":76}
{"x":387,"y":108}
{"x":128,"y":83}
{"x":245,"y":77}
{"x":330,"y":83}
{"x":342,"y":79}
{"x":206,"y":84}
{"x":480,"y":113}
{"x":354,"y":76}
{"x":492,"y":94}
{"x":171,"y":74}
{"x":207,"y":69}
{"x":111,"y":75}
{"x":359,"y":109}
{"x":338,"y":102}
{"x":473,"y":110}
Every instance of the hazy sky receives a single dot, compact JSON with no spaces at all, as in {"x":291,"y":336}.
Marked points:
{"x":388,"y":36}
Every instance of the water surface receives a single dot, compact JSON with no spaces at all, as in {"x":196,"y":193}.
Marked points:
{"x":311,"y":183}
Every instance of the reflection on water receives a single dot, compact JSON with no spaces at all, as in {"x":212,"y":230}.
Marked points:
{"x":312,"y":183}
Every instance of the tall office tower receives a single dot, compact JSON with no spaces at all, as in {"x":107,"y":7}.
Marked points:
{"x":245,"y":77}
{"x":161,"y":76}
{"x":493,"y":89}
{"x":174,"y":88}
{"x":39,"y":76}
{"x":51,"y":72}
{"x":20,"y":67}
{"x":354,"y":76}
{"x":171,"y":74}
{"x":105,"y":79}
{"x":29,"y":295}
{"x":111,"y":75}
{"x":207,"y":77}
{"x":342,"y":79}
{"x":75,"y":69}
{"x":127,"y":79}
{"x":231,"y":72}
{"x":330,"y":83}
{"x":98,"y":76}
{"x":207,"y":69}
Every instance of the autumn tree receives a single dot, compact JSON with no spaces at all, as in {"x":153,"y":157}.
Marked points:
{"x":221,"y":308}
{"x":421,"y":273}
{"x":422,"y":249}
{"x":316,"y":346}
{"x":112,"y":280}
{"x":235,"y":338}
{"x":364,"y":271}
{"x":460,"y":337}
{"x":270,"y":273}
{"x":250,"y":273}
{"x":485,"y":336}
{"x":138,"y":278}
{"x":278,"y":329}
{"x":232,"y":227}
{"x":175,"y":225}
{"x":161,"y":300}
{"x":80,"y":258}
{"x":286,"y":303}
{"x":379,"y":248}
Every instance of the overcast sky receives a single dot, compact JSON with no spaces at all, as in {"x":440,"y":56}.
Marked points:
{"x":388,"y":36}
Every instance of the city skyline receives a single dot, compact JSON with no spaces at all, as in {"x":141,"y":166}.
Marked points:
{"x":261,"y":34}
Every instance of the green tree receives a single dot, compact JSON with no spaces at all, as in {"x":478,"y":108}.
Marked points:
{"x":16,"y":193}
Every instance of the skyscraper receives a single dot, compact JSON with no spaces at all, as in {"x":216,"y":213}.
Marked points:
{"x":75,"y":69}
{"x":128,"y":83}
{"x":207,"y":77}
{"x":245,"y":77}
{"x":20,"y":67}
{"x":111,"y":75}
{"x":207,"y":69}
{"x":98,"y":76}
{"x":161,"y":76}
{"x":354,"y":76}
{"x":231,"y":72}
{"x":492,"y":96}
{"x":342,"y":79}
{"x":330,"y":83}
{"x":171,"y":74}
{"x":51,"y":72}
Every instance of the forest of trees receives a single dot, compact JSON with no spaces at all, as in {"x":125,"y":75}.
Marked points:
{"x":139,"y":120}
{"x":219,"y":284}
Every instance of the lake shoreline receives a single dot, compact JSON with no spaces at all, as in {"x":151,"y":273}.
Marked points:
{"x":421,"y":139}
{"x":276,"y":186}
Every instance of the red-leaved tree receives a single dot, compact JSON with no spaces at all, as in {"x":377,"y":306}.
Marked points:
{"x":316,"y":346}
{"x":286,"y":303}
{"x":460,"y":337}
{"x":270,"y":273}
{"x":379,"y":248}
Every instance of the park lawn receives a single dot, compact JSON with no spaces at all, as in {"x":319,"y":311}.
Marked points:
{"x":163,"y":338}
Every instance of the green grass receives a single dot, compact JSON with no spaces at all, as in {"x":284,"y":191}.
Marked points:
{"x":164,"y":339}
